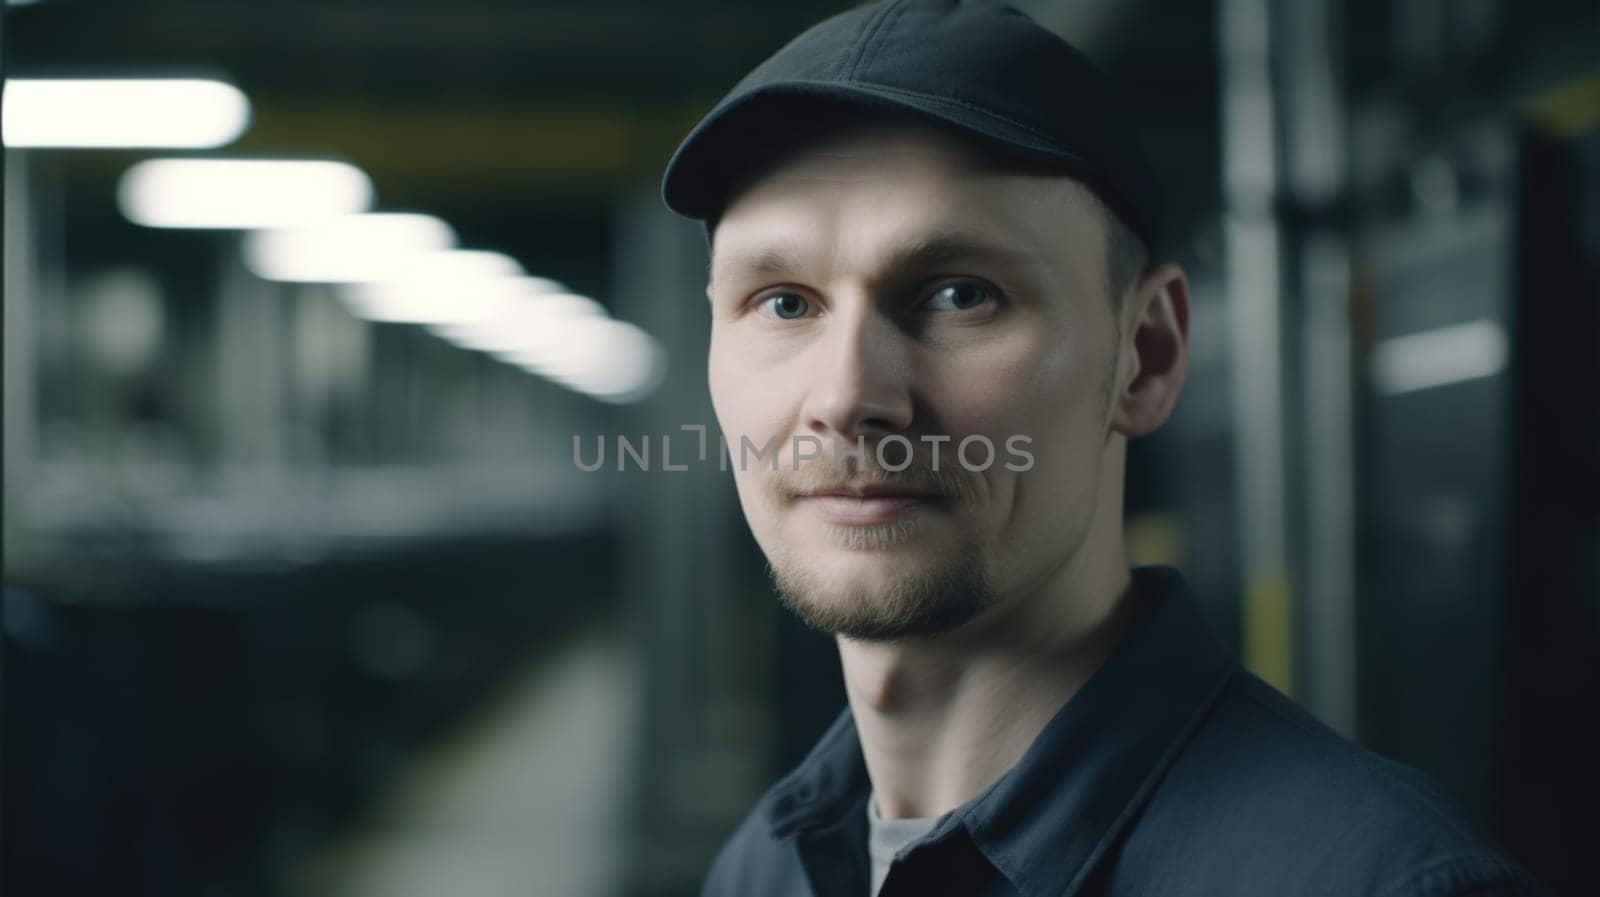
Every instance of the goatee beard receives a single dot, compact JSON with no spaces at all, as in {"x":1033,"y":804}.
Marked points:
{"x":931,"y":602}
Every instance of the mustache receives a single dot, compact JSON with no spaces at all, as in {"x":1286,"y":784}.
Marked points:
{"x":851,"y":474}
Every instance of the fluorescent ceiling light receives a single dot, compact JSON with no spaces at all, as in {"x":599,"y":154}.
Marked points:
{"x":346,"y":249}
{"x":241,"y":193}
{"x":536,"y":324}
{"x":1437,"y":357}
{"x":175,"y":113}
{"x":630,"y":379}
{"x":451,"y":286}
{"x":607,"y":359}
{"x":530,"y":316}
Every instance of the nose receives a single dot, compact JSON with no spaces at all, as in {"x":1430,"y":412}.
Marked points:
{"x":861,"y":385}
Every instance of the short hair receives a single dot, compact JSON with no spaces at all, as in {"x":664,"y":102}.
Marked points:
{"x":1127,"y":255}
{"x":773,"y":141}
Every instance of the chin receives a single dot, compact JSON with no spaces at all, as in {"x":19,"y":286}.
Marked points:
{"x":866,"y":579}
{"x":881,"y":597}
{"x":911,"y":534}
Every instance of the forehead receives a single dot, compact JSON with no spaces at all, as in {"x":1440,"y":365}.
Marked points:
{"x":879,"y":187}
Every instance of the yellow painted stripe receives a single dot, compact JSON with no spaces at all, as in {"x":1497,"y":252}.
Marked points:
{"x":1568,"y":110}
{"x":1268,"y":638}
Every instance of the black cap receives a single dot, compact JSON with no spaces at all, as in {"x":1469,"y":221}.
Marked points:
{"x":984,"y":68}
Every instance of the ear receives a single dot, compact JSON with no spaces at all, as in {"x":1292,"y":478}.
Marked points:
{"x":1155,"y":350}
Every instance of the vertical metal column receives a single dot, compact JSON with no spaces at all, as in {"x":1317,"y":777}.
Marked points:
{"x":701,"y":612}
{"x":250,"y":373}
{"x":21,"y":294}
{"x":1253,"y":284}
{"x":1315,"y":175}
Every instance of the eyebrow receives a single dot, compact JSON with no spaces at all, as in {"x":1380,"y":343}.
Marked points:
{"x":925,"y":251}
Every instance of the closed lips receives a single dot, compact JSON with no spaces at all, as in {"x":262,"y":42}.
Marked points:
{"x":868,"y":493}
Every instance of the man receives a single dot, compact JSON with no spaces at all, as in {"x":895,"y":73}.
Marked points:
{"x":932,"y":292}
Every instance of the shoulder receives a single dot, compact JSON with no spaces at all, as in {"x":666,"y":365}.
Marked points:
{"x":752,"y":860}
{"x":761,"y":856}
{"x":1264,"y":793}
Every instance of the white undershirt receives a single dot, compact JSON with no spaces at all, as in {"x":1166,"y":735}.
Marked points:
{"x":887,"y":837}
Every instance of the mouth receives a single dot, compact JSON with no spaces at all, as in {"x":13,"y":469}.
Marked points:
{"x":866,"y":507}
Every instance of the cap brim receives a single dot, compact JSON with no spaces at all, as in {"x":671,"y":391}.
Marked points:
{"x":703,"y":169}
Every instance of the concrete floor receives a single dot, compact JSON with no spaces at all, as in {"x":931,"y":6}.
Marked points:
{"x":528,"y":799}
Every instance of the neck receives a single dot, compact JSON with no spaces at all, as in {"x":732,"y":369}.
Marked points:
{"x":943,"y":717}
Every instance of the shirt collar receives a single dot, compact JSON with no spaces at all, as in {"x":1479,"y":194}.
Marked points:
{"x":1047,"y":820}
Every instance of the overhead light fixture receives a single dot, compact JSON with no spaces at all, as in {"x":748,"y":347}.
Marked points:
{"x":345,"y":249}
{"x":629,"y":379}
{"x":241,"y":193}
{"x":172,"y":113}
{"x":532,"y":311}
{"x":608,"y":359}
{"x":449,"y":286}
{"x":1438,"y":357}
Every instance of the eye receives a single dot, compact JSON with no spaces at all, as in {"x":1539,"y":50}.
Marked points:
{"x":785,"y":306}
{"x":958,"y":296}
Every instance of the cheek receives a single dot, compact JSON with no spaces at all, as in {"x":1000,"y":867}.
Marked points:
{"x":1056,"y":498}
{"x":1048,"y":389}
{"x":717,"y":383}
{"x":731,"y":397}
{"x":752,"y":396}
{"x":1044,"y":387}
{"x":753,"y":502}
{"x":745,"y":406}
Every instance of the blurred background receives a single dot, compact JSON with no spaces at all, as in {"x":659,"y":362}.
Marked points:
{"x":305,"y":595}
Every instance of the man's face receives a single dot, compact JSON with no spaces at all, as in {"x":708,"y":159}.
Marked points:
{"x":883,"y":284}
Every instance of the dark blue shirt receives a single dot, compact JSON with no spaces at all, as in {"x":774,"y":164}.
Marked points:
{"x":1172,"y":772}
